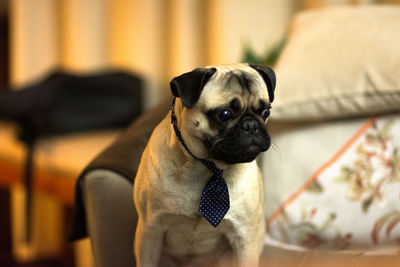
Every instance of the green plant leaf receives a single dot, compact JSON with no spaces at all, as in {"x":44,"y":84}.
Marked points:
{"x":269,"y":58}
{"x":372,"y":137}
{"x":386,"y":128}
{"x":344,"y":175}
{"x":328,"y":222}
{"x":367,"y":203}
{"x":275,"y":52}
{"x":305,"y":226}
{"x":315,"y":188}
{"x":250,"y":57}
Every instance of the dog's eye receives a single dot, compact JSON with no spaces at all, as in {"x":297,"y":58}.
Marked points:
{"x":223,"y":116}
{"x":265,"y":113}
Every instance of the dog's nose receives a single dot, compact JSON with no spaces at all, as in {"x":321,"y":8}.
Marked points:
{"x":250,"y":126}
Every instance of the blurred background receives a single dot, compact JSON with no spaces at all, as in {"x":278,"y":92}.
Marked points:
{"x":155,"y":39}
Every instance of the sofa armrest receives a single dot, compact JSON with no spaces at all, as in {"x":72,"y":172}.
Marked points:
{"x":111,"y":217}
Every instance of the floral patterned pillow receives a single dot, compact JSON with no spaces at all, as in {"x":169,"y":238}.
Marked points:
{"x":352,"y":201}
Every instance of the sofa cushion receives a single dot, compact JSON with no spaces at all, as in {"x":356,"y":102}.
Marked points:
{"x":340,"y":62}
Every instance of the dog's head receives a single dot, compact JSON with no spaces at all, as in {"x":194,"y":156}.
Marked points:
{"x":225,"y":109}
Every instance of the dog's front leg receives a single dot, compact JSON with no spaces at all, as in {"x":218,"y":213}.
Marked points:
{"x":247,"y":249}
{"x":246,"y":255}
{"x":148,"y":243}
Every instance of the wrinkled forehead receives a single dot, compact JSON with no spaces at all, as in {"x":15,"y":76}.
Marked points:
{"x":234,"y":81}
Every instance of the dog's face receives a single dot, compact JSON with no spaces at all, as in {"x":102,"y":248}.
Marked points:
{"x":225,"y":110}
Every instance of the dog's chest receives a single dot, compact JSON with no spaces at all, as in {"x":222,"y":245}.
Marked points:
{"x":183,"y":188}
{"x":191,"y":237}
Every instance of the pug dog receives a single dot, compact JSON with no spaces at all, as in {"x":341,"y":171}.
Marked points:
{"x":216,"y":128}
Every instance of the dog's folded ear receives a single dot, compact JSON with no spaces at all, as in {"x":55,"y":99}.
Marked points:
{"x":188,"y":86}
{"x":269,"y":78}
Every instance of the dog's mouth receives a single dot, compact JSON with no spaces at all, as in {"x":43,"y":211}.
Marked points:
{"x":235,"y":151}
{"x":253,"y":149}
{"x":251,"y":152}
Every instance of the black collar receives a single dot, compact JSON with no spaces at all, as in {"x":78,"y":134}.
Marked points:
{"x":210,"y":165}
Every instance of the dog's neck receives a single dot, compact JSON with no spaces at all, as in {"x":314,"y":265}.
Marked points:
{"x":189,"y":154}
{"x":177,"y":108}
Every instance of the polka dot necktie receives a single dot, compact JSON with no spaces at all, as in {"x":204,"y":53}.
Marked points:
{"x":214,"y":202}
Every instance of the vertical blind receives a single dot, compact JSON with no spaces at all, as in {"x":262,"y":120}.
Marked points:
{"x":157,"y":39}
